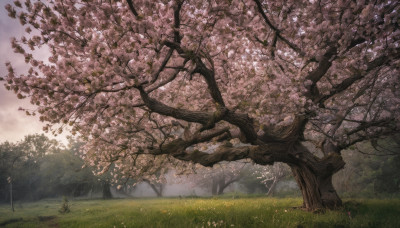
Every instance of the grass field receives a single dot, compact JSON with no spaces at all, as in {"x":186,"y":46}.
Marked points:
{"x":207,"y":212}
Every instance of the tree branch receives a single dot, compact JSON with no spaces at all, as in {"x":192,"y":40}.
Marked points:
{"x":210,"y":80}
{"x":365,"y":125}
{"x":160,"y":108}
{"x":346,"y":83}
{"x":314,"y":76}
{"x":385,"y":130}
{"x":154,"y":77}
{"x":177,"y":37}
{"x":177,"y":149}
{"x":132,"y":8}
{"x":201,"y":68}
{"x":221,"y":154}
{"x":293,"y":46}
{"x":166,"y":81}
{"x":243,"y":121}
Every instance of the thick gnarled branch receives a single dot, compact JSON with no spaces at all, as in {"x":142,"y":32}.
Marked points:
{"x":160,"y":108}
{"x":243,"y":121}
{"x":315,"y":75}
{"x":221,"y":154}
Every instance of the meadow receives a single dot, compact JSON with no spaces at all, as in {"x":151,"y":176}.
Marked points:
{"x":200,"y":212}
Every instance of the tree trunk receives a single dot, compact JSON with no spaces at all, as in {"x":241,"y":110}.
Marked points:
{"x":11,"y":196}
{"x":271,"y":189}
{"x":214,"y":186}
{"x":316,"y":188}
{"x":91,"y":191}
{"x":158,"y":191}
{"x":221,"y":185}
{"x":221,"y":188}
{"x":106,"y":190}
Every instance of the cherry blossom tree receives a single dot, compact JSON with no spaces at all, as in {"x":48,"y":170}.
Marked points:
{"x":147,"y":83}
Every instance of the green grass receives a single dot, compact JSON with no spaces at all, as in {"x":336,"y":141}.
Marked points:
{"x":201,"y":212}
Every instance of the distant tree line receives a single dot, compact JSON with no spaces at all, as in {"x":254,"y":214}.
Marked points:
{"x":372,"y":170}
{"x":38,"y":167}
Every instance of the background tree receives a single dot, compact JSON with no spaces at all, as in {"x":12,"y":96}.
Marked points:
{"x":372,"y":170}
{"x":157,"y":187}
{"x":270,"y":176}
{"x":62,"y":174}
{"x":10,"y":157}
{"x":21,"y":166}
{"x":250,"y":183}
{"x":38,"y":168}
{"x":128,"y":75}
{"x":81,"y":176}
{"x":219,"y":177}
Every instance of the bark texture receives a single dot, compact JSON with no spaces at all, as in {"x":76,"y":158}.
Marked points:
{"x":318,"y":191}
{"x":314,"y":178}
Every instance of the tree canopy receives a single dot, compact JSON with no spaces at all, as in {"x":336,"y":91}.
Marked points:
{"x":150,"y":82}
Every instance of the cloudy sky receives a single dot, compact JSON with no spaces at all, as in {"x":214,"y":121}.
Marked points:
{"x":14,"y":124}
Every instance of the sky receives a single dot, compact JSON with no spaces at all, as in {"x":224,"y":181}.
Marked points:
{"x":14,"y":124}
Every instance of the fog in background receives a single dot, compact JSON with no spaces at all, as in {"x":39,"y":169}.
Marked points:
{"x":38,"y":167}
